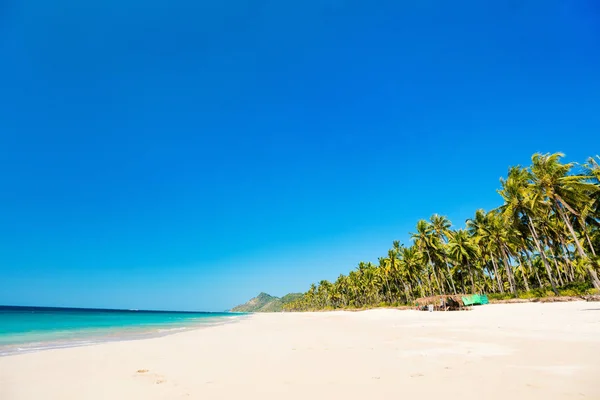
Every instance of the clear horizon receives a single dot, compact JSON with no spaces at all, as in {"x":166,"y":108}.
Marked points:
{"x":13,"y":306}
{"x":190,"y":155}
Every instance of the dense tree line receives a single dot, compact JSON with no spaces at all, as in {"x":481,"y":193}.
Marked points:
{"x":545,"y":236}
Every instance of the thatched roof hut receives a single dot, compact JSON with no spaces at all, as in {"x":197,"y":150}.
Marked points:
{"x":442,"y":302}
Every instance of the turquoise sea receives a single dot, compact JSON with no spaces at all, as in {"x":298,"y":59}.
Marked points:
{"x":27,"y":329}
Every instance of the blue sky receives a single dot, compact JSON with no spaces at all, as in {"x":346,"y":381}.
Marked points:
{"x":190,"y":154}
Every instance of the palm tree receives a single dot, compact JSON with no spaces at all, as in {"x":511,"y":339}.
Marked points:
{"x":341,"y":288}
{"x":547,"y":231}
{"x":592,"y":168}
{"x":567,"y":193}
{"x":411,"y":262}
{"x":479,"y":232}
{"x":424,"y":242}
{"x":499,"y":232}
{"x":399,"y":277}
{"x":519,"y":204}
{"x":490,"y":229}
{"x":463,"y":251}
{"x":440,"y":227}
{"x":354,"y":288}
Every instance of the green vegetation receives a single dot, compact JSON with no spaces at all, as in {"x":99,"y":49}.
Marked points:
{"x":541,"y":241}
{"x":574,"y":289}
{"x":290,"y":297}
{"x":267,"y":303}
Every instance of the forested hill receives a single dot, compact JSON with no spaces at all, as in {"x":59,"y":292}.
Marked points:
{"x":266,"y":303}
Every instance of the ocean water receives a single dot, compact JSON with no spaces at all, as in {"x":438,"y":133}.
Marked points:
{"x":28,"y":329}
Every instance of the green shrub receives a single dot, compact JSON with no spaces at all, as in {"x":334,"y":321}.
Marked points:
{"x":568,"y":292}
{"x":577,"y":287}
{"x":528,"y":295}
{"x":500,"y":296}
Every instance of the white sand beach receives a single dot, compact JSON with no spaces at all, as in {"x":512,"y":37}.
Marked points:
{"x":517,"y":351}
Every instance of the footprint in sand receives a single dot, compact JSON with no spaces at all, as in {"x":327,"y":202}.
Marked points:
{"x":158,"y":378}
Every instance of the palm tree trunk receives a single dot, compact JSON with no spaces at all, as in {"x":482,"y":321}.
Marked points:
{"x":542,"y":254}
{"x":450,"y":273}
{"x":537,"y":276}
{"x":511,"y":273}
{"x":587,"y":237}
{"x":591,"y":272}
{"x":429,"y":283}
{"x":471,"y":275}
{"x":547,"y":244}
{"x":433,"y":271}
{"x":571,"y":230}
{"x":557,"y":253}
{"x":566,"y":257}
{"x":386,"y":287}
{"x":496,"y":274}
{"x":511,"y":282}
{"x":524,"y":273}
{"x":407,"y":293}
{"x":492,"y":284}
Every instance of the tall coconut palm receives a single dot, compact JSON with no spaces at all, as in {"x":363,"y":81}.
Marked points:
{"x":481,"y":234}
{"x":411,"y":262}
{"x":546,"y":231}
{"x":519,"y":205}
{"x":566,"y":192}
{"x":440,"y":227}
{"x":399,"y":278}
{"x":424,"y":242}
{"x":492,"y":230}
{"x":463,"y":251}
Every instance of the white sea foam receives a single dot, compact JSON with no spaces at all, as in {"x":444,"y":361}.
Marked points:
{"x":38,"y":346}
{"x":33,"y":341}
{"x":183,"y":328}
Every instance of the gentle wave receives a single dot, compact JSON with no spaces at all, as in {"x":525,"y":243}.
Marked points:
{"x":11,"y":350}
{"x":183,"y":328}
{"x":60,"y":337}
{"x":56,"y":346}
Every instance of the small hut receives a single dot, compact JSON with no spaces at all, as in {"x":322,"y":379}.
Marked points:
{"x":444,"y":302}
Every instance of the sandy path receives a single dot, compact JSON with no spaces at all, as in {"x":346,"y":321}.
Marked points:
{"x":519,"y":351}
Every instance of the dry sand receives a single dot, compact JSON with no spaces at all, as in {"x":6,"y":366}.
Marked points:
{"x":516,"y":351}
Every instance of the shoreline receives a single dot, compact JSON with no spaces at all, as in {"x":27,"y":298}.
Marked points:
{"x":533,"y":350}
{"x":92,"y":337}
{"x":127,"y":334}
